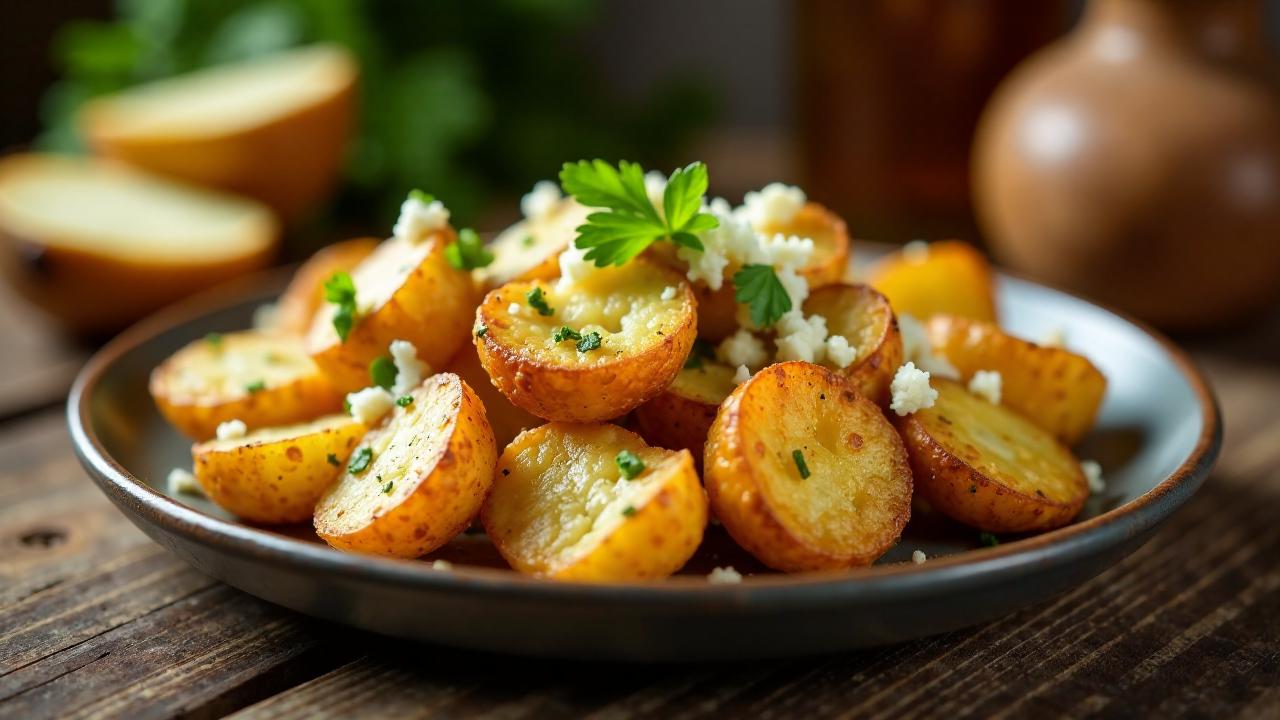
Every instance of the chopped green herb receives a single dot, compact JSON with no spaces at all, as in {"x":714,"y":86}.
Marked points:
{"x":538,"y":302}
{"x":701,"y":352}
{"x":563,"y":333}
{"x":589,"y":342}
{"x":404,"y":400}
{"x":341,"y":291}
{"x":527,"y":241}
{"x":986,"y":539}
{"x":630,"y":222}
{"x":214,"y":339}
{"x":481,"y":330}
{"x":467,"y":252}
{"x":630,"y":464}
{"x":386,"y":489}
{"x":758,"y":287}
{"x":382,"y":371}
{"x":801,"y":465}
{"x":346,"y":405}
{"x":256,"y":386}
{"x":422,"y":197}
{"x":629,"y":510}
{"x":360,"y":461}
{"x":333,"y":460}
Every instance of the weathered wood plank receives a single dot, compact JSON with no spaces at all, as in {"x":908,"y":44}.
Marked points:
{"x":39,"y":361}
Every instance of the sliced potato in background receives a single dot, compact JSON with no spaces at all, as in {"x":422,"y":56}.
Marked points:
{"x":429,"y":467}
{"x":561,"y":508}
{"x":304,"y":296}
{"x":856,"y":498}
{"x":411,"y":293}
{"x":863,"y":317}
{"x":276,"y":474}
{"x":1057,"y":389}
{"x":644,"y":341}
{"x":530,"y":249}
{"x":262,"y":379}
{"x":681,"y":416}
{"x":951,"y":278}
{"x":988,"y":467}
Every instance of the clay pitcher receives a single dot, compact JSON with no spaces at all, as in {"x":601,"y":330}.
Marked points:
{"x":1137,"y":161}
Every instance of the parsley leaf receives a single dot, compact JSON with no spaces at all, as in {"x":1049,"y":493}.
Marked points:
{"x":629,"y":463}
{"x":481,"y":329}
{"x":589,"y":342}
{"x":701,"y":352}
{"x":986,"y":539}
{"x":383,"y":372}
{"x":628,"y":511}
{"x":214,"y":339}
{"x":563,"y":333}
{"x":386,"y":489}
{"x":333,"y":460}
{"x":341,"y":291}
{"x":360,"y":461}
{"x":801,"y":465}
{"x":538,"y":302}
{"x":758,"y":287}
{"x":422,"y":197}
{"x":631,"y":223}
{"x":467,"y":252}
{"x":404,"y":400}
{"x":256,"y":386}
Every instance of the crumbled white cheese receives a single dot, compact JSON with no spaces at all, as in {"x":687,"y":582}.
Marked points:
{"x":1093,"y":474}
{"x":742,"y":348}
{"x":1055,"y":337}
{"x":918,"y":557}
{"x":541,"y":201}
{"x":787,"y":251}
{"x":232,"y":430}
{"x":801,"y":338}
{"x":987,"y":384}
{"x":796,"y":286}
{"x":916,"y":348}
{"x":669,"y":292}
{"x":574,"y":266}
{"x":724,"y":576}
{"x":442,"y":565}
{"x":370,"y":404}
{"x":266,"y":317}
{"x":839,"y":352}
{"x":911,"y":390}
{"x":916,"y":251}
{"x":409,"y":369}
{"x":655,"y":185}
{"x":181,"y":481}
{"x":774,"y":203}
{"x":513,"y":309}
{"x":418,"y":219}
{"x":742,"y":375}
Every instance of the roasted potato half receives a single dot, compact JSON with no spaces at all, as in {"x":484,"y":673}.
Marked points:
{"x":530,"y":249}
{"x":416,"y":480}
{"x":988,"y":467}
{"x":830,"y":238}
{"x":681,"y":416}
{"x":305,"y":294}
{"x":562,"y":508}
{"x":405,"y":290}
{"x":276,"y":475}
{"x":863,"y":317}
{"x":950,"y":277}
{"x":628,"y":343}
{"x":1056,"y":389}
{"x":262,"y":379}
{"x":506,"y":419}
{"x":806,"y":473}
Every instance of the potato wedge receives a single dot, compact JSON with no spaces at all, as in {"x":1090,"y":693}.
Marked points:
{"x":681,"y":416}
{"x":304,"y":296}
{"x":259,"y":378}
{"x":863,"y":317}
{"x":830,"y":261}
{"x":276,"y":474}
{"x":643,"y":341}
{"x":1056,"y":389}
{"x":429,"y":466}
{"x":506,"y":419}
{"x":842,"y":504}
{"x":530,"y":249}
{"x":561,"y":508}
{"x":952,"y":278}
{"x":988,"y":467}
{"x":409,"y":292}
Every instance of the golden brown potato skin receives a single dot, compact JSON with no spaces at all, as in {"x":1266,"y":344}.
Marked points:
{"x":436,"y":497}
{"x":1042,"y":489}
{"x":681,"y":417}
{"x":276,"y":478}
{"x":864,"y":317}
{"x":305,"y":294}
{"x":543,"y":385}
{"x":954,"y":279}
{"x":506,"y":419}
{"x":854,"y":455}
{"x":1056,"y":389}
{"x":831,"y":244}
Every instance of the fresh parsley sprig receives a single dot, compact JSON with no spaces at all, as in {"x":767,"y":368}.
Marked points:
{"x":468,"y":251}
{"x":758,"y":287}
{"x":383,"y":372}
{"x":341,"y":291}
{"x":630,"y":222}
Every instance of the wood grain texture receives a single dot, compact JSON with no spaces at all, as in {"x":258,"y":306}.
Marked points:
{"x":98,"y":621}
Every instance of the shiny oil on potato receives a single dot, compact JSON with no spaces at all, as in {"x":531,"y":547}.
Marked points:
{"x":565,"y":507}
{"x":949,"y":277}
{"x":276,"y":475}
{"x":986,"y":466}
{"x":416,"y":480}
{"x":259,"y":378}
{"x":805,"y":473}
{"x":863,"y":317}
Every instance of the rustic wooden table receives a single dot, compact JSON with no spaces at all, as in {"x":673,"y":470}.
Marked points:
{"x":96,"y":620}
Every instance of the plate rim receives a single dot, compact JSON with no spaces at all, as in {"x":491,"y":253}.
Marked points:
{"x":1054,"y":548}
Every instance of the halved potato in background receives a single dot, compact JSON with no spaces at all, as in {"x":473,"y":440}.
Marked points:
{"x":506,"y":419}
{"x":831,"y":245}
{"x":1056,"y":389}
{"x":950,"y":278}
{"x":561,"y":507}
{"x":530,"y":249}
{"x":805,"y":473}
{"x":988,"y":467}
{"x":274,"y":128}
{"x":99,"y":245}
{"x":305,"y":294}
{"x":681,"y":416}
{"x":863,"y":317}
{"x":408,"y":291}
{"x":276,"y":474}
{"x":643,"y":341}
{"x":262,"y":379}
{"x":428,"y":468}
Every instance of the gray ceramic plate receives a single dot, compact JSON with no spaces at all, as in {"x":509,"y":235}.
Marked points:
{"x":1158,"y":435}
